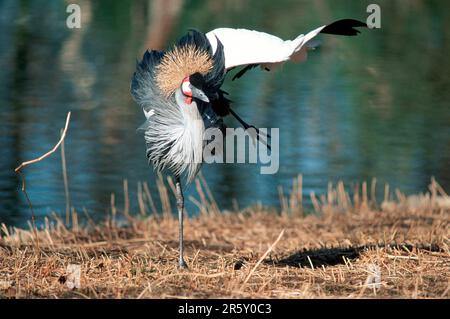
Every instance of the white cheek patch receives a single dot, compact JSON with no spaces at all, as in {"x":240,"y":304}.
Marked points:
{"x":186,"y":89}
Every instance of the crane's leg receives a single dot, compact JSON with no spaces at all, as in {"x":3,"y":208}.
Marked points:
{"x":180,"y":206}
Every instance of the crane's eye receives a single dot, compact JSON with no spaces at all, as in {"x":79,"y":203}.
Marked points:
{"x":186,"y":88}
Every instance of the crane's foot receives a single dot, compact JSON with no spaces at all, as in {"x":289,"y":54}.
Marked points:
{"x":182,"y":264}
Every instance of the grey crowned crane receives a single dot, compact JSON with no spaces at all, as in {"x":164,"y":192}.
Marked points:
{"x":179,"y":91}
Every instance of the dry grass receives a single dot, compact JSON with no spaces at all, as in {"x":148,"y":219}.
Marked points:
{"x":334,"y":253}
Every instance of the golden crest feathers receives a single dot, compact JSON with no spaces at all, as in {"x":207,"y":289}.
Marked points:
{"x":179,"y":63}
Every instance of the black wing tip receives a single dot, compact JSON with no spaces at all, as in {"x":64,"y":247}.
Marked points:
{"x":344,"y":27}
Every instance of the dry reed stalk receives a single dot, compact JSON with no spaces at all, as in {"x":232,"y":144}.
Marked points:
{"x":235,"y":205}
{"x":283,"y":201}
{"x":365,"y":199}
{"x":342,"y":196}
{"x":204,"y":208}
{"x":140,"y":199}
{"x":214,"y":207}
{"x":386,"y":193}
{"x":126,"y":200}
{"x":356,"y":197}
{"x":113,"y":210}
{"x":196,"y":203}
{"x":400,"y":196}
{"x":329,"y":194}
{"x":171,"y":185}
{"x":299,"y":195}
{"x":75,"y":226}
{"x":438,"y":187}
{"x":315,"y":202}
{"x":65,"y":178}
{"x":164,"y":197}
{"x":293,"y":202}
{"x":373,"y":195}
{"x":150,"y":199}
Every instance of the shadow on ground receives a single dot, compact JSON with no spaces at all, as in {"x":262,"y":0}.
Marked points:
{"x":335,"y":256}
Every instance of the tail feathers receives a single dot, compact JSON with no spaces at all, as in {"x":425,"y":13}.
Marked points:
{"x":344,"y":27}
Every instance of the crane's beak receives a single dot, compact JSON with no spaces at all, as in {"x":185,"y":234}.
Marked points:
{"x":199,"y":94}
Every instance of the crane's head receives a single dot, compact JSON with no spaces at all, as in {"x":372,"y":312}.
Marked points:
{"x":192,"y":88}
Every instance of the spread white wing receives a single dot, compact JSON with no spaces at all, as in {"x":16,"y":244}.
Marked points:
{"x":246,"y":47}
